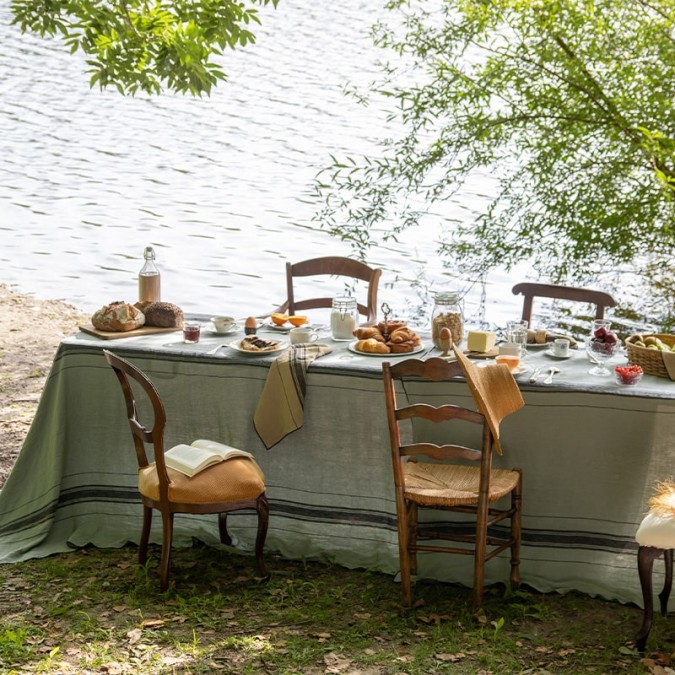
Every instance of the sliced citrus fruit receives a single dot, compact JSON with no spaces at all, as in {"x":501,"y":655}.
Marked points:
{"x":297,"y":319}
{"x":279,"y":319}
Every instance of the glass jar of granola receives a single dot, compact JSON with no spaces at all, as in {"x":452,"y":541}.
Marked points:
{"x":447,"y":314}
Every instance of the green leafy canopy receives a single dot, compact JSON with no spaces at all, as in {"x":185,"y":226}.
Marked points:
{"x":568,"y":106}
{"x":146,"y":45}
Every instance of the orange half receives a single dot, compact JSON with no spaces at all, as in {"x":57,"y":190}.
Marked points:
{"x":279,"y":319}
{"x":297,"y":319}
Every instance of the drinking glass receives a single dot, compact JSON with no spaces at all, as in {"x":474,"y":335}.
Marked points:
{"x":516,"y":333}
{"x":601,"y":346}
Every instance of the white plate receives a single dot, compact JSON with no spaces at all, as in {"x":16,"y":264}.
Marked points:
{"x":212,"y":329}
{"x":417,"y":350}
{"x":281,"y":329}
{"x":280,"y":348}
{"x":538,"y":345}
{"x":557,"y":356}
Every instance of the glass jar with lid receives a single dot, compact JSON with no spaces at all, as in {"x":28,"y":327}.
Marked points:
{"x":344,"y":318}
{"x":447,"y":314}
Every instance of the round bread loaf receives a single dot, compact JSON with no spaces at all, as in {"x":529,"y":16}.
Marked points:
{"x":118,"y":317}
{"x":163,"y":315}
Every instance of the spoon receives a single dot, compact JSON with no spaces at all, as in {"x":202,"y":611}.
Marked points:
{"x":551,"y":372}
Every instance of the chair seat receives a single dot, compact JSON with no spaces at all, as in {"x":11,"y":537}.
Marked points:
{"x":233,"y":480}
{"x":657,"y":531}
{"x":452,"y":484}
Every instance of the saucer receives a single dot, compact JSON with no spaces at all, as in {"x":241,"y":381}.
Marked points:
{"x":550,"y":353}
{"x":212,"y":329}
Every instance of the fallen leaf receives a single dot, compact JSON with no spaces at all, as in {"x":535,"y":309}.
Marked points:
{"x":152,"y":623}
{"x":134,"y":635}
{"x":450,"y":657}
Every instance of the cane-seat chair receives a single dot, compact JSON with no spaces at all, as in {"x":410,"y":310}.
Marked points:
{"x":529,"y":291}
{"x":656,"y":537}
{"x":334,"y":266}
{"x":453,"y":476}
{"x":232,"y":485}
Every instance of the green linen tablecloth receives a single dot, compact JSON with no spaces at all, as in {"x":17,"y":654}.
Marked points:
{"x":590,"y":453}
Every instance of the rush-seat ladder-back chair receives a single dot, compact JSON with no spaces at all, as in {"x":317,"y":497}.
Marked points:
{"x":335,"y":266}
{"x":656,"y":537}
{"x":453,"y":476}
{"x":231,"y":485}
{"x":600,"y":299}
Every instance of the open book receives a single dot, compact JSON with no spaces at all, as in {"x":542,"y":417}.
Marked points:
{"x":191,"y":459}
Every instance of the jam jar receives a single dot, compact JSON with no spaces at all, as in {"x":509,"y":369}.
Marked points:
{"x":447,"y":314}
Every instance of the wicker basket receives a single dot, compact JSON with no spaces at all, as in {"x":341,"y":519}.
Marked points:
{"x":651,"y":360}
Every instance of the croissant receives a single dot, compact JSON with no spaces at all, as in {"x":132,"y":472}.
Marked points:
{"x":368,"y":332}
{"x":372,"y":346}
{"x":401,"y":347}
{"x":392,"y":325}
{"x":402,"y":335}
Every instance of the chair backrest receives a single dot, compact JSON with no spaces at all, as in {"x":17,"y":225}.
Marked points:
{"x":600,"y":299}
{"x":140,"y":432}
{"x":435,"y":370}
{"x":336,"y":266}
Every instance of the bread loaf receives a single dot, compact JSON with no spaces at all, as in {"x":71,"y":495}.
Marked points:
{"x":163,"y":314}
{"x":372,"y":346}
{"x":118,"y":317}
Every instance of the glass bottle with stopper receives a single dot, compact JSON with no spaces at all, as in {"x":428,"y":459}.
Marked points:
{"x":149,"y":278}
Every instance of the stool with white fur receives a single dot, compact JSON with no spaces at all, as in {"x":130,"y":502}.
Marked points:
{"x":656,"y":536}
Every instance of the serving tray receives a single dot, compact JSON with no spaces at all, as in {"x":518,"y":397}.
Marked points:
{"x":116,"y":335}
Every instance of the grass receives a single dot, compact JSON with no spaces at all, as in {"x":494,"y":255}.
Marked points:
{"x":94,"y":611}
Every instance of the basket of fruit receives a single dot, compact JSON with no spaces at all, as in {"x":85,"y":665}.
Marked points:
{"x":648,"y":351}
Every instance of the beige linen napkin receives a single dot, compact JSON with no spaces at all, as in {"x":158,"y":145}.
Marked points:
{"x":669,"y":363}
{"x":281,"y":407}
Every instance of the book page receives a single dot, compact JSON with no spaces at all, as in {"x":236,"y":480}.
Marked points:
{"x":224,"y":451}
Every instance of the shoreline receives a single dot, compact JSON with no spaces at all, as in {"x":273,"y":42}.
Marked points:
{"x":30,"y":332}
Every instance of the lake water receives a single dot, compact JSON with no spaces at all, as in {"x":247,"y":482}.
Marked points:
{"x":221,"y":186}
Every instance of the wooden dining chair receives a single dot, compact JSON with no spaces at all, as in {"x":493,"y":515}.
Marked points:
{"x":529,"y":291}
{"x":656,"y":537}
{"x":454,"y":477}
{"x":334,"y":266}
{"x":232,"y":485}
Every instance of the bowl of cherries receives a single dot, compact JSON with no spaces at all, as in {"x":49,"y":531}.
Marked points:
{"x":628,"y":374}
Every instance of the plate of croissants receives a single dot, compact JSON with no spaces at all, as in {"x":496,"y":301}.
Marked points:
{"x":392,"y":339}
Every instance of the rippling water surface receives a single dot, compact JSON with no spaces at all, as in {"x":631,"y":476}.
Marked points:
{"x":221,"y":187}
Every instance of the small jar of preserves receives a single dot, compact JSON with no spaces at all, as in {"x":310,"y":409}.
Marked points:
{"x":447,"y":314}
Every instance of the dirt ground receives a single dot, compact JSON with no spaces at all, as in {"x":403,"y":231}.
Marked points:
{"x":30,"y":332}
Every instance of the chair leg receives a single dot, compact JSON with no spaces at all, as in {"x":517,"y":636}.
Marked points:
{"x":222,"y":529}
{"x":263,"y":509}
{"x":413,"y":515}
{"x":404,"y":555}
{"x":516,"y":533}
{"x":646,"y":557}
{"x":167,"y":538}
{"x":668,"y":581}
{"x":145,"y":535}
{"x":479,"y":554}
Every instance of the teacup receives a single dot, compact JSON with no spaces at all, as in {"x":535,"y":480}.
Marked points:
{"x":302,"y":334}
{"x":510,"y":348}
{"x":224,"y":324}
{"x":560,"y":347}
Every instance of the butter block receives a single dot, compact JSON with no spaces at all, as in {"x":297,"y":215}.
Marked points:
{"x":480,"y":340}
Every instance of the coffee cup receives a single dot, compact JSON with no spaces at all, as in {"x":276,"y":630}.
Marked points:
{"x":302,"y":334}
{"x":223,"y":324}
{"x":560,"y":347}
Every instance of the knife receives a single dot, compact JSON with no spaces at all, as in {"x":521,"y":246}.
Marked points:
{"x":535,"y":375}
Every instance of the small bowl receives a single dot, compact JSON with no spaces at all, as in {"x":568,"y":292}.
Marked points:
{"x":628,"y":375}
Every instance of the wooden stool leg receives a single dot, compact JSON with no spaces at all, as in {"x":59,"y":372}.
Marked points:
{"x":646,"y":557}
{"x":667,"y":582}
